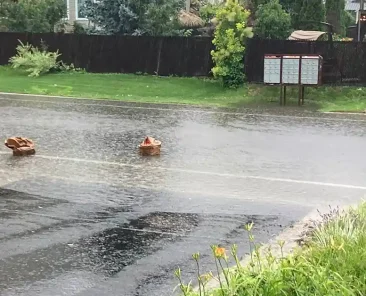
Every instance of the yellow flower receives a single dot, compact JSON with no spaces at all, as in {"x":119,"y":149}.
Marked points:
{"x":220,"y":252}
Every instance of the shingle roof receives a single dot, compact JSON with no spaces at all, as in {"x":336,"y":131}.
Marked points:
{"x":352,"y":5}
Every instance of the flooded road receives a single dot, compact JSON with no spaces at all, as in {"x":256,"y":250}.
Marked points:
{"x":88,"y":216}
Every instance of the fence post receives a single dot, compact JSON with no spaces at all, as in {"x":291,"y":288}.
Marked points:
{"x":160,"y":46}
{"x":359,"y":20}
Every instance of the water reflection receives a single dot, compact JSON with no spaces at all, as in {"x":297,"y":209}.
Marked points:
{"x":115,"y":248}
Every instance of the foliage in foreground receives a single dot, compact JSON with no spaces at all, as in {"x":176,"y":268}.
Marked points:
{"x":37,"y":61}
{"x":332,"y":263}
{"x":230,"y":35}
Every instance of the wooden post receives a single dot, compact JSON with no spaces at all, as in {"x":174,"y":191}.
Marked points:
{"x":160,"y":46}
{"x":281,"y":85}
{"x":300,"y":95}
{"x":300,"y":86}
{"x":359,"y":37}
{"x":303,"y":95}
{"x":284,"y":95}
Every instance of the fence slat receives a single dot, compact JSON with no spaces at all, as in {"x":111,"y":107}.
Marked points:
{"x":121,"y":54}
{"x":344,"y":62}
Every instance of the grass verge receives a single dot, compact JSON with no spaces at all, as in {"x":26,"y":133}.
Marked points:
{"x":173,"y":90}
{"x":333,"y":262}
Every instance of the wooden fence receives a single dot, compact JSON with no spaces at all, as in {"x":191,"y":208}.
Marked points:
{"x":121,"y":54}
{"x":345,"y":62}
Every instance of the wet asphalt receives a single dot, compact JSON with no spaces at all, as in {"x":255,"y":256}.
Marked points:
{"x":88,"y":216}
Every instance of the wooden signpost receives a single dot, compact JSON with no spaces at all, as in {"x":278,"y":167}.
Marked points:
{"x":291,"y":69}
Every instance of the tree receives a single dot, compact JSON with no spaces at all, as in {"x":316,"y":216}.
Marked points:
{"x":150,"y":17}
{"x":54,"y":11}
{"x":161,"y":18}
{"x":347,"y":20}
{"x":257,"y":3}
{"x":35,"y":16}
{"x":251,"y":6}
{"x":287,"y":5}
{"x":334,"y":14}
{"x":230,"y":35}
{"x":272,"y":22}
{"x":208,"y":11}
{"x":311,"y":14}
{"x":296,"y":13}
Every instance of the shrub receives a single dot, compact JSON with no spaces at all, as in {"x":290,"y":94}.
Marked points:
{"x":272,"y":22}
{"x":208,"y":11}
{"x":78,"y":28}
{"x":37,"y":61}
{"x":230,"y":35}
{"x":332,"y":263}
{"x":33,"y":60}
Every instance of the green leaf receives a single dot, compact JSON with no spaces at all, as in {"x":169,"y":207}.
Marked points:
{"x":230,"y":35}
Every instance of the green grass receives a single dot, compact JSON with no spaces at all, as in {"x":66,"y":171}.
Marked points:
{"x":130,"y":88}
{"x":332,"y":263}
{"x":173,"y":90}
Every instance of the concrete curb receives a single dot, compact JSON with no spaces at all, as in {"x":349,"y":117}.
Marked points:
{"x":346,"y":112}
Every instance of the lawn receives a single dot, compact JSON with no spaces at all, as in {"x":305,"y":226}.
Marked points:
{"x":333,"y":262}
{"x":174,"y":90}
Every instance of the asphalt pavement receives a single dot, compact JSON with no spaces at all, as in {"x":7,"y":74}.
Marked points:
{"x":88,"y":216}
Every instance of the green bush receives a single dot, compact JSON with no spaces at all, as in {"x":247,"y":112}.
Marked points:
{"x":272,"y":22}
{"x":208,"y":11}
{"x":37,"y":61}
{"x":33,"y":60}
{"x":230,"y":34}
{"x":78,"y":28}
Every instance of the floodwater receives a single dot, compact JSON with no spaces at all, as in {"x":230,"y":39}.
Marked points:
{"x":88,"y":216}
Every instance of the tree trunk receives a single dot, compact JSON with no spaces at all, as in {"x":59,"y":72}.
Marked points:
{"x":334,"y":18}
{"x":249,"y":5}
{"x":188,"y":5}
